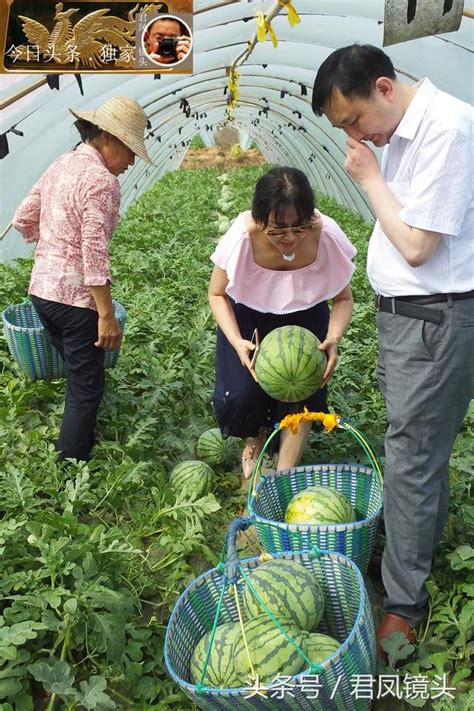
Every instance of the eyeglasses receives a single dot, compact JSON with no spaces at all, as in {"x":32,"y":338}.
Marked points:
{"x":281,"y":231}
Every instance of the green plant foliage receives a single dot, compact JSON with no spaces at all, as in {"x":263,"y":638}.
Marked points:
{"x":93,"y":556}
{"x":197,"y":142}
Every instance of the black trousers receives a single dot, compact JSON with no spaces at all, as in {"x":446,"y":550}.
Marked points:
{"x":73,"y":331}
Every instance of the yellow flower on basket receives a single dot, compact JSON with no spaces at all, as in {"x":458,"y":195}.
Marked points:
{"x":329,"y":421}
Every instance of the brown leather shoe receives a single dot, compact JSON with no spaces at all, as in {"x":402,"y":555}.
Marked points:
{"x":392,"y":623}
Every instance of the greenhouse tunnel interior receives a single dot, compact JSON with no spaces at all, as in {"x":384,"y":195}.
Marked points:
{"x":273,"y":109}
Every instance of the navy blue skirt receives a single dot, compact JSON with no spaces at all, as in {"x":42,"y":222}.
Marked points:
{"x":242,"y":408}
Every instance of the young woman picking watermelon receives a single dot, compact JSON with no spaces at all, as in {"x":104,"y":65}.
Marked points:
{"x":278,"y":264}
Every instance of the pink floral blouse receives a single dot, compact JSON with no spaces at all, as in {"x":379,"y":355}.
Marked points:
{"x":71,"y":212}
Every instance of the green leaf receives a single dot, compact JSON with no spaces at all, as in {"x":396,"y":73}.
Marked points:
{"x":108,"y":634}
{"x":92,"y":694}
{"x":438,"y":661}
{"x":70,"y":606}
{"x":463,"y":673}
{"x":56,"y":677}
{"x":397,"y":647}
{"x":52,"y":622}
{"x":468,"y":589}
{"x":24,"y":702}
{"x":9,"y":687}
{"x":466,"y":616}
{"x":462,"y":557}
{"x":53,"y":597}
{"x":16,"y":636}
{"x":465,"y":552}
{"x":12,"y":674}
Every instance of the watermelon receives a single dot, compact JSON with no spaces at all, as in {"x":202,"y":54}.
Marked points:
{"x":272,"y":654}
{"x":192,"y":477}
{"x":289,"y":365}
{"x":319,"y":505}
{"x":319,"y":647}
{"x":220,"y":673}
{"x":288,"y":589}
{"x":212,"y":448}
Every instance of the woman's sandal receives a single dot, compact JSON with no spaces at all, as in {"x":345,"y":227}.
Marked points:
{"x":250,"y":454}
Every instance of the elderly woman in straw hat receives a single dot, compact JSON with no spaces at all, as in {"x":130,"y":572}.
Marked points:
{"x":71,"y":213}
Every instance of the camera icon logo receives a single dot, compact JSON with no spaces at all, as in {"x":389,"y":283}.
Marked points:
{"x":167,"y":40}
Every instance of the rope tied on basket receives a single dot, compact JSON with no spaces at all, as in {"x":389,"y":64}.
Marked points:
{"x":242,"y":629}
{"x":233,"y":561}
{"x":229,"y":576}
{"x":233,"y":571}
{"x":277,"y":624}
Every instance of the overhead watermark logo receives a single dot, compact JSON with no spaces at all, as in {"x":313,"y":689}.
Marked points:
{"x":56,"y":37}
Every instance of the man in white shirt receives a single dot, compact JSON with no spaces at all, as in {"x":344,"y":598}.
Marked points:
{"x":421,"y":265}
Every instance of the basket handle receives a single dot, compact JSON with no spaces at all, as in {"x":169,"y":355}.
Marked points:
{"x":330,"y":422}
{"x":233,"y":560}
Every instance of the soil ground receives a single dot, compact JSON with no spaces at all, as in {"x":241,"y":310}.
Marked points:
{"x":221,"y":158}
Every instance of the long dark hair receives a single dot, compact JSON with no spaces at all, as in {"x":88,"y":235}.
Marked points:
{"x":280,"y":190}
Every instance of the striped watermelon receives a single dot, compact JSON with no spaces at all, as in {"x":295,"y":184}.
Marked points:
{"x":212,"y":448}
{"x":288,"y":589}
{"x":290,"y":366}
{"x":319,"y":647}
{"x":272,"y":653}
{"x":192,"y":477}
{"x":220,"y":673}
{"x":319,"y":505}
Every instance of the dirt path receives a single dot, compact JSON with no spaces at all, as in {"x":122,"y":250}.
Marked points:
{"x":220,"y":158}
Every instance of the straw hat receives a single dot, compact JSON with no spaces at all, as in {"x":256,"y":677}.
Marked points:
{"x":124,"y":118}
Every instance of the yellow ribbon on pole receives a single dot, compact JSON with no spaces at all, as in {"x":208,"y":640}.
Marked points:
{"x":234,"y":83}
{"x":233,"y":91}
{"x":263,"y":27}
{"x":293,"y":17}
{"x":272,"y":35}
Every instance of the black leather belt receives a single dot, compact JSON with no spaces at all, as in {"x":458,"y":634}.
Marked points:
{"x":427,"y":299}
{"x":414,"y":306}
{"x":405,"y":308}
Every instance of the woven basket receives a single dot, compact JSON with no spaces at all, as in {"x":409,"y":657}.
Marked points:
{"x":362,"y":485}
{"x":347,"y":617}
{"x":31,"y":348}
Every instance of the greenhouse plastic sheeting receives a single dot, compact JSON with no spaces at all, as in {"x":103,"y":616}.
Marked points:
{"x":287,"y":133}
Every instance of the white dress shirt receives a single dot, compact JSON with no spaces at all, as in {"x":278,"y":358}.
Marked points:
{"x":429,"y":167}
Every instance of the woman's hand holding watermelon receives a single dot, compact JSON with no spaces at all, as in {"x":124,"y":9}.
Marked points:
{"x":341,"y":313}
{"x":329,"y":346}
{"x":244,"y":348}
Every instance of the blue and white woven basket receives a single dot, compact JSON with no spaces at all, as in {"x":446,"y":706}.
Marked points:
{"x":31,"y":348}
